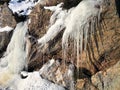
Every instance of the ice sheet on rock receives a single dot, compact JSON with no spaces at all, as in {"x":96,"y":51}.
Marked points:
{"x":56,"y":23}
{"x":7,"y":28}
{"x":78,"y":24}
{"x":22,"y":7}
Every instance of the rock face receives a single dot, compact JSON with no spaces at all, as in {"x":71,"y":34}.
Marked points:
{"x":39,"y":18}
{"x":107,"y":80}
{"x":100,"y":65}
{"x":103,"y":80}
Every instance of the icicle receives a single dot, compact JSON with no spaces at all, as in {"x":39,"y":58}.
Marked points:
{"x":78,"y":25}
{"x":86,"y":35}
{"x":78,"y":53}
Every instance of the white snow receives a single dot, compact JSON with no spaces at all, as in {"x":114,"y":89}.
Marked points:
{"x":35,"y":82}
{"x":23,"y":7}
{"x":6,"y":28}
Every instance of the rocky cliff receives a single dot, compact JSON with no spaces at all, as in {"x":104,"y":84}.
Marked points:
{"x":99,"y":65}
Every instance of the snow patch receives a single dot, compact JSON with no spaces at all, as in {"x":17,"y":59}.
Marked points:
{"x":23,"y":7}
{"x":6,"y":28}
{"x":35,"y":82}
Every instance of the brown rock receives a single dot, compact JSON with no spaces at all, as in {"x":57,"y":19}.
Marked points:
{"x":6,"y":17}
{"x":4,"y":41}
{"x":51,"y":2}
{"x":109,"y":79}
{"x":39,"y":21}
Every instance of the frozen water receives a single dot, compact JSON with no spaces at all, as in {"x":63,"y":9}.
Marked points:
{"x":14,"y":59}
{"x":6,"y":28}
{"x":56,"y":23}
{"x":78,"y":25}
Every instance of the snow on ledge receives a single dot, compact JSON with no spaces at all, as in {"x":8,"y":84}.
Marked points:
{"x":35,"y":82}
{"x":6,"y":28}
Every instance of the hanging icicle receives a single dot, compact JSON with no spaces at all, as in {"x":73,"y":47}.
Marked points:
{"x":81,"y":24}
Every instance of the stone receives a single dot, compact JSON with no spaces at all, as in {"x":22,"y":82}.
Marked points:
{"x":5,"y":12}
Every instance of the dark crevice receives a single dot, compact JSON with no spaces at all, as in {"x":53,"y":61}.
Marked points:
{"x":70,"y":3}
{"x":117,"y":2}
{"x":20,"y":18}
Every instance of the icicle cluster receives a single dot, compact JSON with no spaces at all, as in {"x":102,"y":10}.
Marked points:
{"x":80,"y":24}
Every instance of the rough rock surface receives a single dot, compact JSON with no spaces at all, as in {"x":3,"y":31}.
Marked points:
{"x":98,"y":71}
{"x":103,"y":80}
{"x":107,"y":80}
{"x":39,"y":19}
{"x":102,"y":54}
{"x":6,"y":17}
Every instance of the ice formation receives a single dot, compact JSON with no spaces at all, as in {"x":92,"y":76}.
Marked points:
{"x":14,"y":60}
{"x":56,"y":23}
{"x":80,"y":24}
{"x":6,"y":28}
